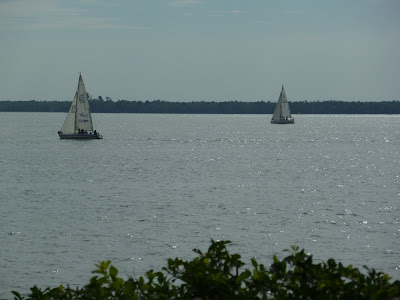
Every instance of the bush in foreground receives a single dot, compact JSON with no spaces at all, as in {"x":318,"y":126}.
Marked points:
{"x":216,"y":274}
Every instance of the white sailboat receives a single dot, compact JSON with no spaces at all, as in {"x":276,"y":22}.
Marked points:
{"x":282,"y":113}
{"x":78,"y":123}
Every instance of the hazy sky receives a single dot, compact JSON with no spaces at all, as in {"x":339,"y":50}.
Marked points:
{"x":201,"y":50}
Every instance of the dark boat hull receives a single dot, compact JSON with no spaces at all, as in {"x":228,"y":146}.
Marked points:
{"x":79,"y":136}
{"x":283,"y":122}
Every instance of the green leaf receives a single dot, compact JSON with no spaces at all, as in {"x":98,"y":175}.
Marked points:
{"x":17,"y":295}
{"x":113,"y":272}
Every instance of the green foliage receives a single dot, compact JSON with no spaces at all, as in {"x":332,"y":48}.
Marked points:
{"x":217,"y":274}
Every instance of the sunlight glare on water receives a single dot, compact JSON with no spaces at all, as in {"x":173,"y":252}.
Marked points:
{"x":158,"y":186}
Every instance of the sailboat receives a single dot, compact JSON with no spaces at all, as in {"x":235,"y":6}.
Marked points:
{"x":78,"y":123}
{"x":282,"y":111}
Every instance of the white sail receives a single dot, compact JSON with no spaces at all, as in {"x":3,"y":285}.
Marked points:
{"x":69,"y":123}
{"x":83,"y":118}
{"x":282,"y":110}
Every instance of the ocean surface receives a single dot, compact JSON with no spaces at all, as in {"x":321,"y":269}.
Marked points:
{"x":158,"y":186}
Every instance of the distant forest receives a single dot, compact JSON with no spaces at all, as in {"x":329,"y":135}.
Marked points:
{"x":100,"y":105}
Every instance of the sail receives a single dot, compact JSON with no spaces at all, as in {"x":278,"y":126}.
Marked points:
{"x":277,"y":112}
{"x":285,"y":110}
{"x":282,"y":109}
{"x":83,"y":118}
{"x":69,"y":123}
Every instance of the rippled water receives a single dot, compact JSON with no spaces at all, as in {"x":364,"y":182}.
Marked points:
{"x":158,"y":186}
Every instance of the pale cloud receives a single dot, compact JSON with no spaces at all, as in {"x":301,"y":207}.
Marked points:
{"x":98,"y":2}
{"x":376,"y":2}
{"x":235,"y":12}
{"x":215,"y":15}
{"x":293,"y":12}
{"x":262,"y":22}
{"x":183,"y":3}
{"x":50,"y":14}
{"x":226,"y":12}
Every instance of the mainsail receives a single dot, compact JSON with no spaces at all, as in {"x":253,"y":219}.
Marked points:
{"x":282,"y":110}
{"x":79,"y":116}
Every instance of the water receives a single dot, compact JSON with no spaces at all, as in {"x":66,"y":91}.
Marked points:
{"x":158,"y":186}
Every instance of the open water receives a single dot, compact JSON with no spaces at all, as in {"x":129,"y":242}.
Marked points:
{"x":159,"y":185}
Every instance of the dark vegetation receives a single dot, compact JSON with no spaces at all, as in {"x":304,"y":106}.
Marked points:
{"x":100,"y":105}
{"x":217,"y":274}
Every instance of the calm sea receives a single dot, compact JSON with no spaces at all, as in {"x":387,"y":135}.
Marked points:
{"x":159,"y":185}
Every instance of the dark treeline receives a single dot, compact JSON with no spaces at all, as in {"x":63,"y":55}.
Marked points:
{"x":230,"y":107}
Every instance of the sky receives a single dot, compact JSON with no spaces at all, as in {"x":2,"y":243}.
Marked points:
{"x":201,"y":50}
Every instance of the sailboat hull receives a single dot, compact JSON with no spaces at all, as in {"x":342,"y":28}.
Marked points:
{"x":76,"y":136}
{"x":291,"y":121}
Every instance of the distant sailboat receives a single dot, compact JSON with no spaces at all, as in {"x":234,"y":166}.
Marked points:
{"x":78,"y":123}
{"x":282,"y":113}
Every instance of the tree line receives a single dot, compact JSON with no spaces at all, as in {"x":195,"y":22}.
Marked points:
{"x":99,"y":105}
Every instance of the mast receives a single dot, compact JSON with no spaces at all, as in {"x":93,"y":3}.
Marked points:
{"x":281,"y":101}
